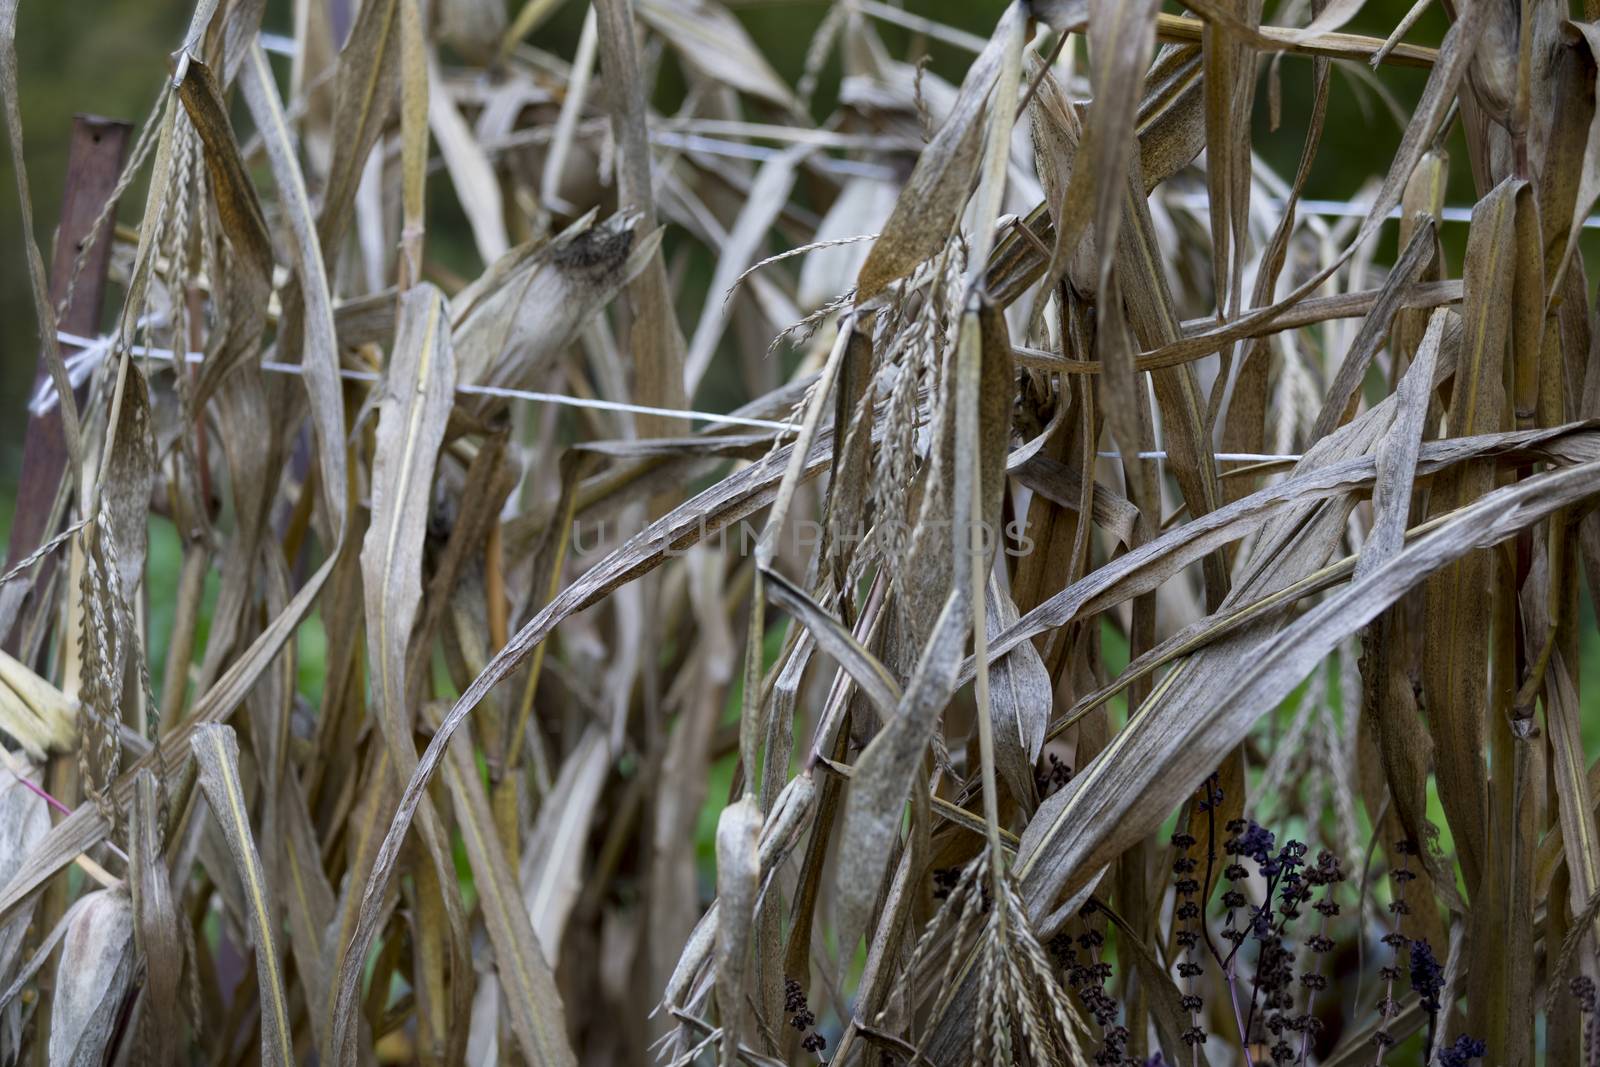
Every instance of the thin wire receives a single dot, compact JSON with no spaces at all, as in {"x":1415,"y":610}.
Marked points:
{"x":1220,"y":457}
{"x":718,"y":146}
{"x":1345,"y":209}
{"x":167,"y":355}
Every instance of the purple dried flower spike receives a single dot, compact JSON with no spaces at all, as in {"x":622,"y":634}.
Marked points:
{"x":1427,"y":975}
{"x":1462,"y":1052}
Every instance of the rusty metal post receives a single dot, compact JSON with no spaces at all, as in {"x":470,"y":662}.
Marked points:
{"x":94,"y":160}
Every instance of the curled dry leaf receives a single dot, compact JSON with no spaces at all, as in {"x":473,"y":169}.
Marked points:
{"x":94,"y":976}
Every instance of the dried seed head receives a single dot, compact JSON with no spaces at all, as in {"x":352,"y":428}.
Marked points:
{"x":94,"y":974}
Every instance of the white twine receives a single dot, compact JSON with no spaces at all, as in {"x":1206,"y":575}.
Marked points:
{"x":95,"y":349}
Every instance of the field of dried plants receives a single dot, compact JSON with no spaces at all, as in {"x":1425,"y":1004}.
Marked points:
{"x":673,"y":564}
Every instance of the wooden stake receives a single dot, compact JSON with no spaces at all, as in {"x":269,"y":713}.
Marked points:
{"x":94,"y":161}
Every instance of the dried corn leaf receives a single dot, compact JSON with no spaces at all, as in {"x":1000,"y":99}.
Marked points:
{"x":95,"y":974}
{"x":365,"y":87}
{"x":831,"y":636}
{"x":250,"y":265}
{"x":1140,"y":772}
{"x":1022,"y":696}
{"x":1455,"y":656}
{"x":931,"y":203}
{"x":156,"y":930}
{"x":551,"y":874}
{"x":509,"y":326}
{"x":536,"y":1014}
{"x":714,"y":43}
{"x":738,"y":879}
{"x":39,"y":716}
{"x":24,"y":819}
{"x":477,"y":188}
{"x":217,"y":752}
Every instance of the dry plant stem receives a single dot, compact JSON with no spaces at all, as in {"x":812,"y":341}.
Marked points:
{"x":560,"y":534}
{"x":185,"y":627}
{"x":660,"y":345}
{"x":1311,"y":999}
{"x":977,"y":552}
{"x":969,"y":356}
{"x":1227,"y":964}
{"x":1239,"y":1020}
{"x":1388,"y":988}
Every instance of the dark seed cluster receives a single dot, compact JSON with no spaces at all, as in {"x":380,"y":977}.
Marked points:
{"x":1583,"y":990}
{"x":1054,"y":777}
{"x":800,"y":1016}
{"x":1465,"y":1050}
{"x":1087,"y":974}
{"x":1188,"y":917}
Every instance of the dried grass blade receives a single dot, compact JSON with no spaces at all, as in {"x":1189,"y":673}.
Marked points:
{"x":1579,"y":837}
{"x":715,"y":43}
{"x":883,"y":777}
{"x":127,"y":475}
{"x":551,"y":875}
{"x":416,"y":404}
{"x":418,"y":395}
{"x":930,"y":205}
{"x":309,"y":905}
{"x":1021,"y":695}
{"x":477,"y":188}
{"x":769,"y":192}
{"x":1570,"y":81}
{"x":415,"y":97}
{"x":530,"y":989}
{"x":364,"y":90}
{"x":1135,"y":782}
{"x":250,"y":267}
{"x":653,"y":332}
{"x":1405,"y":748}
{"x":1455,"y":654}
{"x":1230,"y":77}
{"x":217,"y":753}
{"x":155,"y":923}
{"x":738,"y":880}
{"x":832,"y":637}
